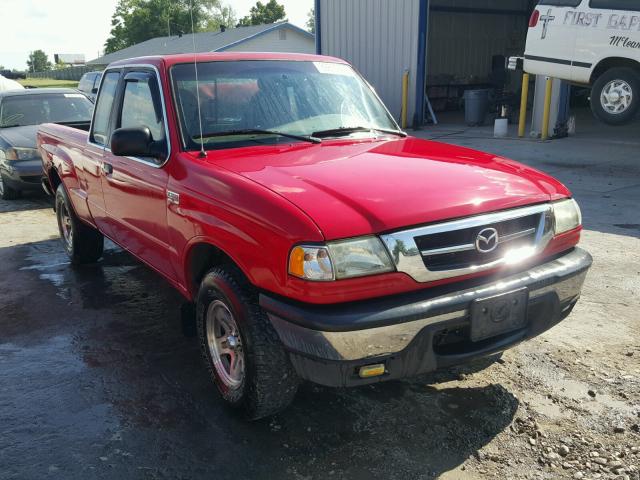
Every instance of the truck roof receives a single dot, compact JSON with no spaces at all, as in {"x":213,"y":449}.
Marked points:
{"x":170,"y":60}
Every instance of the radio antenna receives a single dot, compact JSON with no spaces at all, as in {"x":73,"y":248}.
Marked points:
{"x":203,"y":154}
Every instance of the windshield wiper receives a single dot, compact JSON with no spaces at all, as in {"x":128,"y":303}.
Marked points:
{"x":11,"y":125}
{"x":257,"y":131}
{"x":336,"y":132}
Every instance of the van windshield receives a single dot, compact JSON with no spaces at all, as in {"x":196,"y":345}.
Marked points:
{"x":240,"y":98}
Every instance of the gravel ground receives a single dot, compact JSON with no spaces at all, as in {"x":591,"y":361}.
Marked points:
{"x":98,"y":378}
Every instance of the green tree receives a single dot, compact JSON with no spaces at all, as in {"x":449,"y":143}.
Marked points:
{"x":60,"y":65}
{"x":38,"y":61}
{"x":221,"y":15}
{"x":262,"y":13}
{"x":311,"y":21}
{"x":135,"y":21}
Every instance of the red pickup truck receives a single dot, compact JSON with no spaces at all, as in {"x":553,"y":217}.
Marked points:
{"x":316,"y":239}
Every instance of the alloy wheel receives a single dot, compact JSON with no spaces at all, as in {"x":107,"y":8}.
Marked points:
{"x":64,"y":220}
{"x":225,"y":345}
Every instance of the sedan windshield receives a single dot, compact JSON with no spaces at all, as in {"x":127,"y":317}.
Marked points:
{"x":254,"y":102}
{"x":21,"y":110}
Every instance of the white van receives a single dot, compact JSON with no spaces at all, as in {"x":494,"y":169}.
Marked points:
{"x":590,"y":42}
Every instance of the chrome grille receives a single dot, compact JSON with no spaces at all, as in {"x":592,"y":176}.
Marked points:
{"x":457,"y":248}
{"x":452,"y":249}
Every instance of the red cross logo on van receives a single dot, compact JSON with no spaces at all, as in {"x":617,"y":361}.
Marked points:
{"x":545,"y":19}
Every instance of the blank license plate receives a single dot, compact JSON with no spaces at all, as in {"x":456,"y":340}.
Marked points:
{"x":500,"y":314}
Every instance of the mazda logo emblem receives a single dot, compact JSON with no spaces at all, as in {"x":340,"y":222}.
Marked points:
{"x":487,"y":240}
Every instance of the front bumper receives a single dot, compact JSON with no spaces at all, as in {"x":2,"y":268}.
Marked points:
{"x":23,"y":175}
{"x":422,"y":331}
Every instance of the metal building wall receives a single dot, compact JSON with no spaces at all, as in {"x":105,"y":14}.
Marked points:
{"x":452,"y":33}
{"x":378,"y":37}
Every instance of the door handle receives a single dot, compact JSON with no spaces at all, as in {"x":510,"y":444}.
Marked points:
{"x":107,"y":168}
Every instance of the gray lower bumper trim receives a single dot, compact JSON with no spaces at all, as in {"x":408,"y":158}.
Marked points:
{"x":564,"y":276}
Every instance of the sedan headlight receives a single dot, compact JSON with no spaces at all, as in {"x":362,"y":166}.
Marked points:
{"x":339,"y":260}
{"x":567,"y":215}
{"x":18,"y":153}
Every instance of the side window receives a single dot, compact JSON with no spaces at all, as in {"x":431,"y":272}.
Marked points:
{"x":103,"y":108}
{"x":84,"y":84}
{"x":141,"y":105}
{"x":560,"y":3}
{"x":616,"y":4}
{"x":96,"y":82}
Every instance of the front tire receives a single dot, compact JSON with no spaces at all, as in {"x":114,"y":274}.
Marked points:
{"x":615,"y":96}
{"x":244,"y":355}
{"x":82,"y":243}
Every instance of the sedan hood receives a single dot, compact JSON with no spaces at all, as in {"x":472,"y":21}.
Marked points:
{"x":24,"y":137}
{"x":357,"y":188}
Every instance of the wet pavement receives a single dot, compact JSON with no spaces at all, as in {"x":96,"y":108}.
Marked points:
{"x":100,"y":377}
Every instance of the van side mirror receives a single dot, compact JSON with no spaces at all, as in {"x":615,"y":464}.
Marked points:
{"x":132,"y":142}
{"x":94,"y":90}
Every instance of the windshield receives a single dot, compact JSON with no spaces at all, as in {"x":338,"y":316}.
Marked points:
{"x":21,"y":110}
{"x":296,"y":98}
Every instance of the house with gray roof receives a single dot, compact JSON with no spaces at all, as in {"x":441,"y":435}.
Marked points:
{"x":275,"y":37}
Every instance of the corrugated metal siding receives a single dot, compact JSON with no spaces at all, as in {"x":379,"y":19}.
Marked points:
{"x":378,"y":37}
{"x":462,"y":44}
{"x":295,"y":42}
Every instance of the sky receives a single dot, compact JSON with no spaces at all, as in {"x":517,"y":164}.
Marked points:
{"x":81,"y":26}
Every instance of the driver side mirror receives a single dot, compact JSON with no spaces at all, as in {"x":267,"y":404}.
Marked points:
{"x":94,"y":90}
{"x":132,"y":142}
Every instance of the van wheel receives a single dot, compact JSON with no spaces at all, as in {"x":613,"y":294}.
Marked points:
{"x":244,"y":355}
{"x":82,"y":243}
{"x":615,"y":96}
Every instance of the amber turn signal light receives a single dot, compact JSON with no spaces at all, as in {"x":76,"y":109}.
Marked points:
{"x":369,"y":371}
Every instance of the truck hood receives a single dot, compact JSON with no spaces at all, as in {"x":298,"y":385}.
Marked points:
{"x":24,"y":137}
{"x":357,"y":188}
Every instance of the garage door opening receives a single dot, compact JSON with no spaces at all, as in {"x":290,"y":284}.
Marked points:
{"x":469,"y":44}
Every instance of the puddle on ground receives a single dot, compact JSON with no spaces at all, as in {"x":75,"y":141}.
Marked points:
{"x":53,"y":265}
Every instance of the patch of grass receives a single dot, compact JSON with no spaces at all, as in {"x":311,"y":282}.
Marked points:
{"x":48,"y":82}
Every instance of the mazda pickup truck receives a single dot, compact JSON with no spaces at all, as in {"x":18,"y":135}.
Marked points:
{"x":316,"y":239}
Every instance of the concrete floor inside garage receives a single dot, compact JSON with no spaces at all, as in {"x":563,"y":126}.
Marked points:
{"x":98,"y":380}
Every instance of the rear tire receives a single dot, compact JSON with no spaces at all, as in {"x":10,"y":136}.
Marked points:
{"x":82,"y":243}
{"x":615,"y":96}
{"x":233,"y":328}
{"x":6,"y":192}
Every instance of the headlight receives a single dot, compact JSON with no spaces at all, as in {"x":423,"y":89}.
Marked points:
{"x":17,"y":153}
{"x":338,"y":260}
{"x":567,"y":215}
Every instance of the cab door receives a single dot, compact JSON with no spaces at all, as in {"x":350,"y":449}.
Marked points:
{"x":91,"y":162}
{"x":135,"y":188}
{"x":551,"y":39}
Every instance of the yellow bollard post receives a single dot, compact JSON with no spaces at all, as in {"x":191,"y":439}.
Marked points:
{"x":523,"y":105}
{"x":547,"y":108}
{"x":405,"y":99}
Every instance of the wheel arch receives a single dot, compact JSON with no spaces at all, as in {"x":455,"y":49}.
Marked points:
{"x":54,"y":180}
{"x":613,"y":62}
{"x":202,"y":255}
